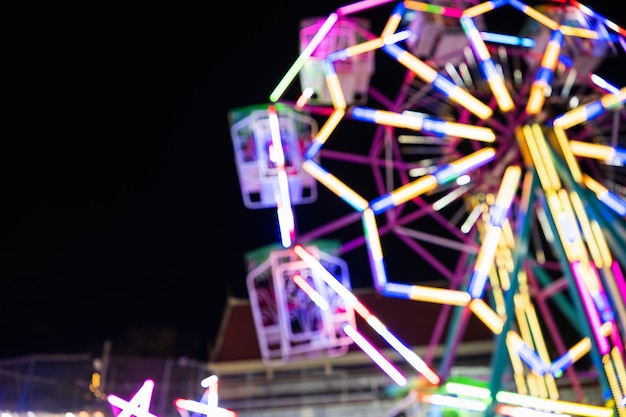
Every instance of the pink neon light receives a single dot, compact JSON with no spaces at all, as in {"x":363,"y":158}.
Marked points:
{"x":208,"y":403}
{"x":138,"y":405}
{"x":619,"y":279}
{"x":200,"y":408}
{"x":590,"y":309}
{"x":375,"y":355}
{"x":361,"y":5}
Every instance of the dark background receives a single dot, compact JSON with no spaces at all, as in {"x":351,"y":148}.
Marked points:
{"x":123,"y":218}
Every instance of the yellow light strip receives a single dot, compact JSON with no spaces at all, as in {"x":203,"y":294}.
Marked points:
{"x":336,"y":93}
{"x":568,"y":153}
{"x":540,"y":344}
{"x":466,"y":131}
{"x":553,"y":405}
{"x":567,"y":230}
{"x":541,"y":18}
{"x":592,"y":150}
{"x":472,"y":160}
{"x":585,"y":226}
{"x":364,"y":47}
{"x":579,"y":32}
{"x":544,"y":152}
{"x":328,"y":127}
{"x":335,"y":185}
{"x":439,"y":295}
{"x":458,"y":95}
{"x":479,"y":9}
{"x":614,"y":385}
{"x":518,"y":367}
{"x":486,"y":314}
{"x":392,"y":24}
{"x":535,"y":156}
{"x":603,"y":246}
{"x":620,"y":371}
{"x":413,"y":189}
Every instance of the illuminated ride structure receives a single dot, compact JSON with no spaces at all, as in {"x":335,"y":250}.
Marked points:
{"x":492,"y":161}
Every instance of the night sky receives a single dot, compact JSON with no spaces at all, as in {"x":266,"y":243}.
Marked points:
{"x":121,"y":204}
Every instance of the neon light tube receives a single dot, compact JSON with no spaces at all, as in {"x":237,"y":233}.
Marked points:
{"x":359,"y":49}
{"x":614,"y":384}
{"x":201,"y":408}
{"x":475,"y":37}
{"x":486,"y":314}
{"x":585,"y":225}
{"x":597,"y":151}
{"x":570,"y":357}
{"x":535,"y":157}
{"x":304,"y":55}
{"x":486,"y":254}
{"x":507,"y":39}
{"x":374,"y":249}
{"x":570,"y":158}
{"x":334,"y":86}
{"x":484,"y":262}
{"x":553,"y":405}
{"x":431,"y":8}
{"x":427,"y":294}
{"x":579,"y":32}
{"x":592,"y":314}
{"x":598,"y":16}
{"x":467,"y":390}
{"x":304,"y":97}
{"x":506,"y":194}
{"x":507,"y":410}
{"x":443,"y":128}
{"x":482,"y":8}
{"x":416,"y":121}
{"x":439,"y":82}
{"x":620,"y":370}
{"x":410,"y":356}
{"x":208,"y":381}
{"x":371,"y":320}
{"x":315,"y":296}
{"x":590,"y":110}
{"x":323,"y":134}
{"x":332,"y":282}
{"x":452,"y":402}
{"x":403,"y":194}
{"x":346,"y":193}
{"x":407,"y":119}
{"x":359,"y":6}
{"x":607,"y":197}
{"x":463,"y":165}
{"x":375,"y":355}
{"x":487,"y":66}
{"x":553,"y":178}
{"x":534,"y":14}
{"x":388,"y":118}
{"x":283,"y":201}
{"x":604,"y":84}
{"x":138,"y":405}
{"x":619,"y":278}
{"x":210,"y":395}
{"x":527,"y":353}
{"x":545,"y":73}
{"x":394,"y":20}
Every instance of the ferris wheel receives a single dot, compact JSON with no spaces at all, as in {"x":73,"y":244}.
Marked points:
{"x":478,"y":165}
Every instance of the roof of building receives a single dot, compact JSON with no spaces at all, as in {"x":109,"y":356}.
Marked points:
{"x":413,"y":322}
